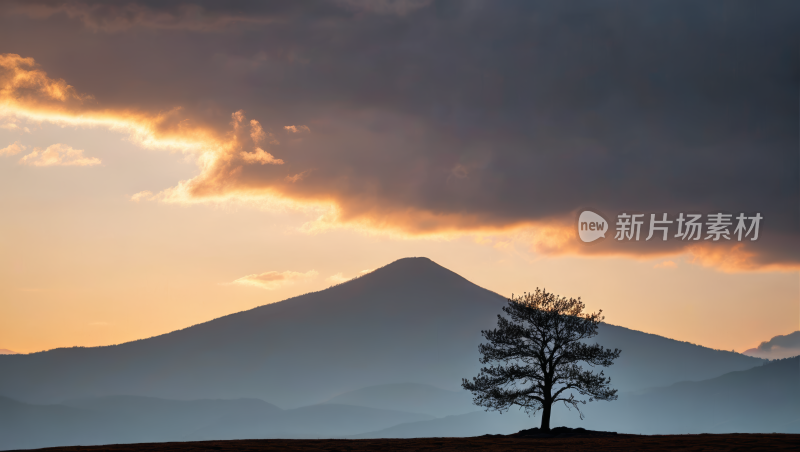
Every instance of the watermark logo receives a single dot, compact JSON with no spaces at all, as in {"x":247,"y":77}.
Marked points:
{"x":591,"y":226}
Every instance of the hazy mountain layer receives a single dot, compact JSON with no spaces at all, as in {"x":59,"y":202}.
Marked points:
{"x":410,"y":321}
{"x":128,"y":419}
{"x":763,"y":399}
{"x":411,"y":397}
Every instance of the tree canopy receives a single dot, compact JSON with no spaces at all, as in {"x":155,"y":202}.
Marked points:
{"x":536,"y":354}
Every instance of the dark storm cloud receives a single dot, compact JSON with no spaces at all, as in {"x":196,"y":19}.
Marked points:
{"x":447,"y":116}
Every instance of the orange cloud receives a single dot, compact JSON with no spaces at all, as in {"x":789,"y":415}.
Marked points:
{"x":142,"y":195}
{"x":560,"y":238}
{"x":372,"y":187}
{"x":12,"y":149}
{"x":11,"y":124}
{"x":21,"y":81}
{"x":260,"y":156}
{"x":274,"y":280}
{"x":337,"y":278}
{"x":58,"y":155}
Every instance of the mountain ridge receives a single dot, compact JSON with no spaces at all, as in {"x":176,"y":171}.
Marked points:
{"x":409,"y":321}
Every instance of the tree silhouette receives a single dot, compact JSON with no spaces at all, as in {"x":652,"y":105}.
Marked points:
{"x":538,"y":351}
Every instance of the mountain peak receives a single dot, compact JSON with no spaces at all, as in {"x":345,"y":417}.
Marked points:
{"x":419,"y":263}
{"x":409,"y":321}
{"x":416,"y":269}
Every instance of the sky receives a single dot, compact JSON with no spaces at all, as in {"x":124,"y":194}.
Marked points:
{"x":166,"y":163}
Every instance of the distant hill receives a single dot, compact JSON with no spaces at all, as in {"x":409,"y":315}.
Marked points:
{"x":763,"y":399}
{"x":5,"y":351}
{"x":411,"y":397}
{"x":471,"y":424}
{"x":129,"y":419}
{"x":410,"y":321}
{"x":24,"y":426}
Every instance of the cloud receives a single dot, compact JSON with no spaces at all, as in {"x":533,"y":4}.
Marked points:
{"x":488,"y":120}
{"x":666,"y":264}
{"x":257,"y":133}
{"x":398,"y":7}
{"x":118,"y":17}
{"x":146,"y":195}
{"x":12,"y":149}
{"x":10,"y":123}
{"x":260,"y":156}
{"x":297,"y":129}
{"x":297,"y":177}
{"x":58,"y":155}
{"x":21,"y":81}
{"x":113,"y":17}
{"x":778,"y":347}
{"x":274,"y":280}
{"x":27,"y":92}
{"x":337,"y":278}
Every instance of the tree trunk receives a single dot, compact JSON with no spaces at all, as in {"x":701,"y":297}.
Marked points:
{"x":546,"y":417}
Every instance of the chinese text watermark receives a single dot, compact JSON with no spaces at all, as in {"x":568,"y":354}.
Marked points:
{"x":592,"y":226}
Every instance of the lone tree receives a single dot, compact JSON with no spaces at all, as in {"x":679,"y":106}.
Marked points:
{"x":538,"y":351}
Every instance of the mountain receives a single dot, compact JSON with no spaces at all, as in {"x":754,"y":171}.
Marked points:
{"x":149,"y":419}
{"x":649,"y":360}
{"x":411,"y":397}
{"x":471,"y":424}
{"x":131,"y":419}
{"x":763,"y":399}
{"x":5,"y":351}
{"x":316,"y":421}
{"x":410,"y":321}
{"x":24,"y":426}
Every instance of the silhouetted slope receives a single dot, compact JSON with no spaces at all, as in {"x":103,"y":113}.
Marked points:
{"x":762,"y":399}
{"x":649,"y":360}
{"x":24,"y":426}
{"x":129,"y":419}
{"x":410,"y":321}
{"x":117,"y":419}
{"x":316,"y":421}
{"x":471,"y":424}
{"x":147,"y":419}
{"x":410,"y":397}
{"x":5,"y":351}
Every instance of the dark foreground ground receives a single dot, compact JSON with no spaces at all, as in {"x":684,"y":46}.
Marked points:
{"x":732,"y":442}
